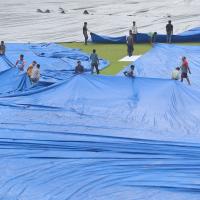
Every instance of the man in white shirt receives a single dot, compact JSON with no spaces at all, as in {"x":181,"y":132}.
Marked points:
{"x":176,"y":73}
{"x":35,"y":76}
{"x":134,"y":31}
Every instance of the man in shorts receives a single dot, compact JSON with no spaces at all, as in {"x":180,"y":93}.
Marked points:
{"x":184,"y":70}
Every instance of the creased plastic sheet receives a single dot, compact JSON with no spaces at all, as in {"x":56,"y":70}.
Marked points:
{"x":11,"y":80}
{"x":192,"y":35}
{"x":107,"y":39}
{"x":57,"y":64}
{"x":163,"y":58}
{"x":97,"y":137}
{"x":191,"y":32}
{"x":101,"y":137}
{"x":14,"y":82}
{"x":56,"y":61}
{"x":120,"y":99}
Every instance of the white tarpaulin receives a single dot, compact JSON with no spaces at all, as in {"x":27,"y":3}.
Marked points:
{"x":20,"y":21}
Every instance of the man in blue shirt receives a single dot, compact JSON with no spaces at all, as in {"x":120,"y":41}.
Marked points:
{"x":94,"y":61}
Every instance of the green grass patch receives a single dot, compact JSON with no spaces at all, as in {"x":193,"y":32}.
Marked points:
{"x":113,"y":53}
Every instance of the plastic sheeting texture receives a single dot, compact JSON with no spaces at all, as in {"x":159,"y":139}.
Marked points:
{"x":103,"y":137}
{"x":56,"y":61}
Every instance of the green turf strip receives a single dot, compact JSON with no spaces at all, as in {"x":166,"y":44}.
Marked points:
{"x":113,"y":53}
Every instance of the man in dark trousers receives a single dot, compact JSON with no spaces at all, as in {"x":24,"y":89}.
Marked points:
{"x":134,"y":31}
{"x":169,"y":31}
{"x":153,"y":38}
{"x":94,"y":62}
{"x":2,"y":48}
{"x":130,"y":44}
{"x":85,"y":34}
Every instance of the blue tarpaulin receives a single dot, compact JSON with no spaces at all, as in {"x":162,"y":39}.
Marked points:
{"x":103,"y":137}
{"x":163,"y":58}
{"x":57,"y":63}
{"x":53,"y":58}
{"x":141,"y":38}
{"x":192,"y":35}
{"x":11,"y":82}
{"x":192,"y":32}
{"x":107,"y":39}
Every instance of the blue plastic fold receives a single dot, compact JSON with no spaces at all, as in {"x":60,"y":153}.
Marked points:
{"x":192,"y":35}
{"x":107,"y":39}
{"x":53,"y":58}
{"x":163,"y":58}
{"x":94,"y":137}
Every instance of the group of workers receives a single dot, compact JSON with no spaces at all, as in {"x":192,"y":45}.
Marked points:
{"x":182,"y":71}
{"x":132,"y":37}
{"x":33,"y":70}
{"x":79,"y":69}
{"x":178,"y":73}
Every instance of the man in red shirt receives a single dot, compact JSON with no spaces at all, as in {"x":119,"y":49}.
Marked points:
{"x":184,"y":70}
